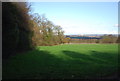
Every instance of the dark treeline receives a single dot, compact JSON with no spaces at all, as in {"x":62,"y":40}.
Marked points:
{"x":22,"y":31}
{"x":16,"y":29}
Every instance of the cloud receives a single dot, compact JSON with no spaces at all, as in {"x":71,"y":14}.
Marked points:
{"x":84,"y":31}
{"x":117,"y":25}
{"x":108,"y":32}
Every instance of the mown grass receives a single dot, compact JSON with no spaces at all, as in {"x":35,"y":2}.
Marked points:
{"x":64,"y":62}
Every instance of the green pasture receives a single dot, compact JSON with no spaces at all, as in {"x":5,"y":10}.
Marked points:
{"x":70,"y":61}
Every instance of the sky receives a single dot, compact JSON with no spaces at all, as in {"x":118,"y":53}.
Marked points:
{"x":81,"y":17}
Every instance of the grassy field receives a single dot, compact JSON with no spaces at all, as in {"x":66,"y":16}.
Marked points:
{"x":64,"y":62}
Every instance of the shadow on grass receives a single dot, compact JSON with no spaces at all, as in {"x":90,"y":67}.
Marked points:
{"x":94,"y":56}
{"x":44,"y":65}
{"x":31,"y":65}
{"x":96,"y":64}
{"x":110,"y":57}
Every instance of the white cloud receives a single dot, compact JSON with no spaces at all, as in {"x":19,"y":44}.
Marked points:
{"x":108,"y":32}
{"x":73,"y":30}
{"x":116,"y":25}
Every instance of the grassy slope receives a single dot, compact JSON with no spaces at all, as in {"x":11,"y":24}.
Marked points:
{"x":64,"y":61}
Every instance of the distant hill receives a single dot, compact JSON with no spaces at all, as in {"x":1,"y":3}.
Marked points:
{"x":93,"y":35}
{"x":83,"y":37}
{"x":88,"y":36}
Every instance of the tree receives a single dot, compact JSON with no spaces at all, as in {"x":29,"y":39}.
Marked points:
{"x":50,"y":34}
{"x":16,"y":28}
{"x":108,"y":39}
{"x":60,"y":33}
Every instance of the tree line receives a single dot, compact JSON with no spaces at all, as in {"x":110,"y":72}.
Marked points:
{"x":103,"y":39}
{"x":22,"y":31}
{"x":46,"y":32}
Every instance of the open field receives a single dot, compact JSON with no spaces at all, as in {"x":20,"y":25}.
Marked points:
{"x":64,"y":62}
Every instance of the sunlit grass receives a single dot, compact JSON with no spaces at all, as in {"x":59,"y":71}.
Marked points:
{"x":64,"y":61}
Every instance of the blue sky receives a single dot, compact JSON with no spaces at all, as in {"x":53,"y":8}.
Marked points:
{"x":81,"y":17}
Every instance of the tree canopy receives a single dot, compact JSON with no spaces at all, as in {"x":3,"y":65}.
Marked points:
{"x":22,"y":31}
